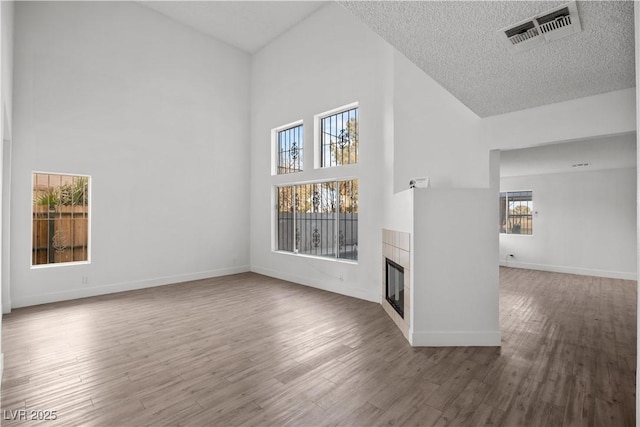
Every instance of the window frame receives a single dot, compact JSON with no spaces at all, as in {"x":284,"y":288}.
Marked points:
{"x":336,"y":220}
{"x":317,"y":132}
{"x":275,"y":149}
{"x":89,"y":221}
{"x":506,"y":212}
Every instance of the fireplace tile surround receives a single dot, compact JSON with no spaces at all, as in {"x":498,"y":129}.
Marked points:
{"x":396,"y":246}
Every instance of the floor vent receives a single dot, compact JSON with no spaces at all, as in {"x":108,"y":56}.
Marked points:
{"x":551,"y":25}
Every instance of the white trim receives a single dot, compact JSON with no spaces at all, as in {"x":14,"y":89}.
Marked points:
{"x":317,"y":181}
{"x":571,"y":270}
{"x":342,"y":289}
{"x":320,"y":257}
{"x":5,"y":278}
{"x":456,"y":339}
{"x":59,"y":264}
{"x":336,"y":110}
{"x":71,"y":294}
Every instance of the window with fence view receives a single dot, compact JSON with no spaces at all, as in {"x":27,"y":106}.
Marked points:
{"x":319,"y":219}
{"x":516,"y":212}
{"x":60,"y":218}
{"x":290,"y":147}
{"x":339,"y":138}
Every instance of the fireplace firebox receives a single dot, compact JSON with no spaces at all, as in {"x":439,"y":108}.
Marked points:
{"x":395,"y":286}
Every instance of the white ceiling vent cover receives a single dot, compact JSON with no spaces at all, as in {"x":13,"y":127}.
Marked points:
{"x":554,"y":24}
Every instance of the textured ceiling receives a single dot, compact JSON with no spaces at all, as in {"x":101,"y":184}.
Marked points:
{"x":613,"y":152}
{"x":458,"y":44}
{"x":247,"y":25}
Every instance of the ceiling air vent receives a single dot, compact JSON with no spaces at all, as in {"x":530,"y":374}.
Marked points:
{"x":543,"y":28}
{"x":523,"y":36}
{"x":560,"y":23}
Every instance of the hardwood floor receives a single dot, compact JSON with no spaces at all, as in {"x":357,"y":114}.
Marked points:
{"x":252,"y":350}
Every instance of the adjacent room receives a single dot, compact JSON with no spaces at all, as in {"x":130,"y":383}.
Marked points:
{"x":318,"y":213}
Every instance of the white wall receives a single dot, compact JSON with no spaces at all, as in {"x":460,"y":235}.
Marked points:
{"x":158,"y":115}
{"x":636,"y":10}
{"x":598,"y":115}
{"x":6,"y":109}
{"x":584,"y":223}
{"x":7,"y":65}
{"x":455,"y":272}
{"x":327,"y":61}
{"x":455,"y":275}
{"x":435,"y":134}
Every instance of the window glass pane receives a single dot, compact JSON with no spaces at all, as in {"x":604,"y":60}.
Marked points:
{"x":289,"y":148}
{"x":348,"y":220}
{"x":319,"y":219}
{"x":60,"y":230}
{"x":285,"y":219}
{"x":315,"y":220}
{"x":339,"y":138}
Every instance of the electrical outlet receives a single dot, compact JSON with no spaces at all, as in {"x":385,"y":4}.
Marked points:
{"x":85,"y":279}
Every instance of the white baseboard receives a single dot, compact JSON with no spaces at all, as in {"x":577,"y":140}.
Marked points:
{"x":571,"y":270}
{"x":25,"y":301}
{"x":342,"y":288}
{"x":456,"y":339}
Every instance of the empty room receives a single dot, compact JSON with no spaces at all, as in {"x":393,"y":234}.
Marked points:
{"x":191,"y":232}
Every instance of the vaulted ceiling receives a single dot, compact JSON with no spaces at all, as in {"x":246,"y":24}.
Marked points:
{"x":457,"y":43}
{"x":247,"y":25}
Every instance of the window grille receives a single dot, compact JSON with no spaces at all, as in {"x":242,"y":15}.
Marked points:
{"x":319,"y":219}
{"x":516,"y":212}
{"x":286,"y":227}
{"x":339,"y":138}
{"x":348,"y":219}
{"x":290,"y":149}
{"x":315,"y":218}
{"x":60,"y":230}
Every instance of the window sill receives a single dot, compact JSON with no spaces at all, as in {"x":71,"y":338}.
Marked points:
{"x":340,"y":260}
{"x":59,"y":264}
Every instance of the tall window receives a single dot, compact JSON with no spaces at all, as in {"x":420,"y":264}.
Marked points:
{"x":60,"y":230}
{"x":289,"y":147}
{"x":339,"y":138}
{"x":516,"y":212}
{"x":319,"y":219}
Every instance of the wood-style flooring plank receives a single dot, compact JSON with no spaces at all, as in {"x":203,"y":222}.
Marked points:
{"x":256,"y":351}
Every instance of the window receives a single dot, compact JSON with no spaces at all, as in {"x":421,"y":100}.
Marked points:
{"x":339,"y":138}
{"x":60,"y":229}
{"x":289,"y":147}
{"x":319,"y":219}
{"x":516,"y":209}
